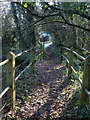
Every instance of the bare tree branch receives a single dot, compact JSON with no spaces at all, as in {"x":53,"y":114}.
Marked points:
{"x":58,"y":21}
{"x":36,"y":14}
{"x":82,"y":14}
{"x":50,"y":15}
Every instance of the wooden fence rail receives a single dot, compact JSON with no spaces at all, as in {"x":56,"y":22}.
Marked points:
{"x":11,"y":79}
{"x":85,"y":83}
{"x":4,"y":62}
{"x":10,"y":90}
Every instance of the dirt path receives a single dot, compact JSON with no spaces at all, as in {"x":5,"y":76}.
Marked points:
{"x":49,"y":100}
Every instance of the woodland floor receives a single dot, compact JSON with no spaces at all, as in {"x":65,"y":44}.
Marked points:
{"x":49,"y":95}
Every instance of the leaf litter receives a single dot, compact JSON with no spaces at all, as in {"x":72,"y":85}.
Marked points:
{"x":48,"y":95}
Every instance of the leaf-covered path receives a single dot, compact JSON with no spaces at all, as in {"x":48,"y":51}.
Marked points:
{"x":48,"y":96}
{"x":49,"y":99}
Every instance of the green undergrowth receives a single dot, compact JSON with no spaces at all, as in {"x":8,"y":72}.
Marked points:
{"x":72,"y":109}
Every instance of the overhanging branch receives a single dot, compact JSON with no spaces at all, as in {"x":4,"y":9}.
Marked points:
{"x":58,"y":21}
{"x":50,"y":15}
{"x":36,"y":14}
{"x":82,"y":14}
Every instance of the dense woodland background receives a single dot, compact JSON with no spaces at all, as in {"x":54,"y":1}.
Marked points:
{"x":67,"y":23}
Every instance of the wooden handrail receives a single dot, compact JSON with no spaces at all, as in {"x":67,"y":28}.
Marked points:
{"x":66,"y":48}
{"x":71,"y":61}
{"x":79,"y":79}
{"x":11,"y":79}
{"x":4,"y":91}
{"x":75,"y":53}
{"x":85,"y":82}
{"x":26,"y":68}
{"x":4,"y":77}
{"x":79,"y":56}
{"x":10,"y":74}
{"x":88,"y":93}
{"x":23,"y":53}
{"x":23,"y":71}
{"x":3,"y":107}
{"x":4,"y":62}
{"x":73,"y":70}
{"x":38,"y":56}
{"x":21,"y":64}
{"x":65,"y":58}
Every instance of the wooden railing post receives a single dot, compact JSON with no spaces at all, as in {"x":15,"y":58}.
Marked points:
{"x":71,"y":62}
{"x":32,"y":59}
{"x":42,"y":51}
{"x":11,"y":94}
{"x":85,"y":83}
